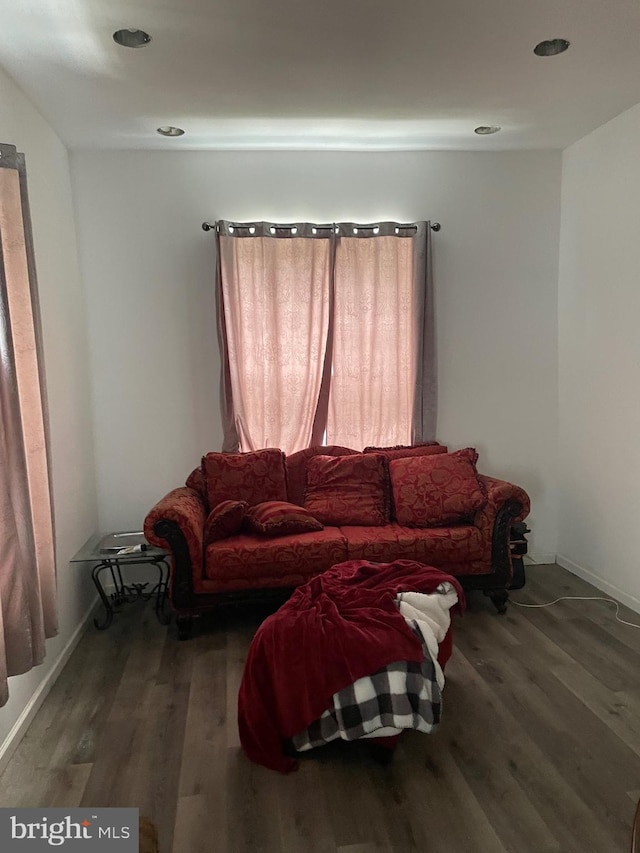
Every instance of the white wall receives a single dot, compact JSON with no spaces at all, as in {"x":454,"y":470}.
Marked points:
{"x":149,"y":271}
{"x":66,"y":362}
{"x":599,"y":358}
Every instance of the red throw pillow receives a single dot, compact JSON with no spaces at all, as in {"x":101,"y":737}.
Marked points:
{"x":348,"y":489}
{"x":400,"y":452}
{"x":278,"y":518}
{"x":224,"y":520}
{"x":435,"y":490}
{"x":252,"y":477}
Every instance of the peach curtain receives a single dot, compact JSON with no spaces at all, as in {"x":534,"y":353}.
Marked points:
{"x":375,"y":347}
{"x":326,"y":334}
{"x":27,"y":563}
{"x":274,"y":305}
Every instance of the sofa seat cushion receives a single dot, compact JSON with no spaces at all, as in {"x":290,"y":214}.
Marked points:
{"x":348,"y":489}
{"x":435,"y":546}
{"x":252,"y":477}
{"x":436,"y":490}
{"x":251,"y":561}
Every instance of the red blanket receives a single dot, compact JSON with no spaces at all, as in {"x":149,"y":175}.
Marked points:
{"x":338,"y":627}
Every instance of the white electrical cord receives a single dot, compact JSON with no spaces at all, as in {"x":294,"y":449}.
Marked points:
{"x":579,"y":598}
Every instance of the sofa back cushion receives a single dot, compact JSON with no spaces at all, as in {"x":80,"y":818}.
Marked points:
{"x":347,"y":490}
{"x":197,"y":482}
{"x":296,"y":465}
{"x":252,"y":477}
{"x":224,"y":520}
{"x":401,"y":451}
{"x":280,"y":518}
{"x":430,"y":448}
{"x":434,"y":490}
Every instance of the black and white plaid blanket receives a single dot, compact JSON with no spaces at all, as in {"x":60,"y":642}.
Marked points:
{"x":402,"y":695}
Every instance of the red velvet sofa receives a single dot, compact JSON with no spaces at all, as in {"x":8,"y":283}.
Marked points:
{"x":245,"y":524}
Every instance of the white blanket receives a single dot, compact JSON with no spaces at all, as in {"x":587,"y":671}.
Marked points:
{"x":432,"y":614}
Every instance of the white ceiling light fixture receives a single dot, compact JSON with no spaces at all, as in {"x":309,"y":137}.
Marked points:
{"x":551,"y":47}
{"x":131,"y":37}
{"x":487,"y":129}
{"x":170,"y":130}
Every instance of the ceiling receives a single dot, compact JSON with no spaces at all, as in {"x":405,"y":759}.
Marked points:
{"x":334,"y":74}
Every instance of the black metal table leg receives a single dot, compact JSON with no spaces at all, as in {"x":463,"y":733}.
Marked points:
{"x":95,"y":574}
{"x":119,"y":571}
{"x":161,"y":592}
{"x":112,"y":568}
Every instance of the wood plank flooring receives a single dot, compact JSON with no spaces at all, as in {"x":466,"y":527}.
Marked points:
{"x":538,"y":751}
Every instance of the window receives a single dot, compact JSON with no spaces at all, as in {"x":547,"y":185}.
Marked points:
{"x":325,"y":331}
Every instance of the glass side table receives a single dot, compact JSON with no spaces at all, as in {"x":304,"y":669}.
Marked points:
{"x":106,"y":552}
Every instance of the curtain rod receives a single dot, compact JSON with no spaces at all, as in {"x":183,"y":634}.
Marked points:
{"x":207,"y":226}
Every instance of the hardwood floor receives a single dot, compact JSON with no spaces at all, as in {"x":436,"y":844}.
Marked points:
{"x":538,"y":751}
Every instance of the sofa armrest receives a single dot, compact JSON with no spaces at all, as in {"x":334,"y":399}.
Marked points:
{"x":177,"y":523}
{"x":499,"y":492}
{"x":506,"y":504}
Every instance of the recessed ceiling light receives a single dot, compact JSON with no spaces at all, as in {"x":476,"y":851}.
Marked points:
{"x":551,"y":47}
{"x":169,"y":130}
{"x":131,"y":37}
{"x":487,"y":130}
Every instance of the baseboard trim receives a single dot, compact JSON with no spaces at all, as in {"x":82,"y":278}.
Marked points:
{"x":610,"y":589}
{"x":12,"y":740}
{"x":541,"y":558}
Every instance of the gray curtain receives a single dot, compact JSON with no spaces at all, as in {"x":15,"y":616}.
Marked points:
{"x":425,"y":403}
